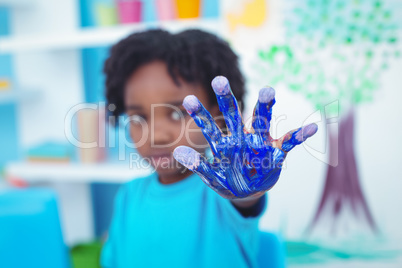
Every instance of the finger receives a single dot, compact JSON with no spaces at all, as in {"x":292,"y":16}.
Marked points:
{"x":195,"y":162}
{"x":204,"y":120}
{"x":228,"y":106}
{"x":296,"y":137}
{"x":263,"y":112}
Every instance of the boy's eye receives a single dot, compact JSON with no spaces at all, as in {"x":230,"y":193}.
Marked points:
{"x":136,"y":119}
{"x":176,"y":115}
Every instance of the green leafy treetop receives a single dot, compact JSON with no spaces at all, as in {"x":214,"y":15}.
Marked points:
{"x":334,"y":50}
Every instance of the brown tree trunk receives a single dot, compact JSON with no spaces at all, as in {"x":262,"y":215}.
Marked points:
{"x":342,"y":189}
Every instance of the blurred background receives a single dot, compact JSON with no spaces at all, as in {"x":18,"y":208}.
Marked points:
{"x":334,"y":62}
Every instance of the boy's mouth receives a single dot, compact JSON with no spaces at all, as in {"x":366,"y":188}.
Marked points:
{"x":161,"y":158}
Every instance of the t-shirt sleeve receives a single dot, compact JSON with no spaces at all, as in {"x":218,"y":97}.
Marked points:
{"x":109,"y":250}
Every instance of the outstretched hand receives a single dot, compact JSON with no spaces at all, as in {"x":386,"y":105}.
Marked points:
{"x":246,"y":163}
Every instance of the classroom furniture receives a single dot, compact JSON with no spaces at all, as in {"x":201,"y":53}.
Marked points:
{"x":30,"y":231}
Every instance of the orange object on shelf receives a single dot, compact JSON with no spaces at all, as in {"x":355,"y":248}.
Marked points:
{"x":4,"y":84}
{"x":187,"y":9}
{"x":91,"y":130}
{"x":48,"y":160}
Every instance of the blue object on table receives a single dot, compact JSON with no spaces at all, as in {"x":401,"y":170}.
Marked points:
{"x":30,"y":232}
{"x":272,"y":251}
{"x":51,"y":150}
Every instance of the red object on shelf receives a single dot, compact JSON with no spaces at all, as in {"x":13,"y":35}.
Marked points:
{"x":129,"y":11}
{"x":17,"y":182}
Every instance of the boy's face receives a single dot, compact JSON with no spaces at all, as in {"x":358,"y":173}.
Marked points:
{"x":159,"y":122}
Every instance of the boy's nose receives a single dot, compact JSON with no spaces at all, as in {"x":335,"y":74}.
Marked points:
{"x":160,"y":134}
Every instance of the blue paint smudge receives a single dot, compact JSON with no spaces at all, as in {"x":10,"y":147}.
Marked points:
{"x":245,"y":163}
{"x":263,"y":113}
{"x":298,"y":136}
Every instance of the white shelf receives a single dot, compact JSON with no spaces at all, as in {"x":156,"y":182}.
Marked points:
{"x":17,"y":3}
{"x":13,"y":95}
{"x":68,"y":172}
{"x":97,"y":36}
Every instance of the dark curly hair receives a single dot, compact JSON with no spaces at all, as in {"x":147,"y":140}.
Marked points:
{"x":192,"y":55}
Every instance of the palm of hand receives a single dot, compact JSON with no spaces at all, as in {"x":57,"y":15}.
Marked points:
{"x":246,"y":163}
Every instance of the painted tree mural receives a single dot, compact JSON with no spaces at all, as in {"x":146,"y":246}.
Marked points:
{"x":336,"y":51}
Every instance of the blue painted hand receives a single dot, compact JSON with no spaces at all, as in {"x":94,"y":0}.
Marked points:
{"x":246,"y":163}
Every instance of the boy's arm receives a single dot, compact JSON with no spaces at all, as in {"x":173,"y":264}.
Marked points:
{"x":246,"y":163}
{"x":250,"y":206}
{"x":245,"y":203}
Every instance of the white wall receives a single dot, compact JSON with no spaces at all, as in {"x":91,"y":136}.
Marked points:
{"x":295,"y":198}
{"x":58,"y":77}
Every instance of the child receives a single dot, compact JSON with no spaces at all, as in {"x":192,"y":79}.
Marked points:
{"x":171,"y":218}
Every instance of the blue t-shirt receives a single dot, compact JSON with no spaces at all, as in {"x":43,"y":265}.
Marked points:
{"x":184,"y":224}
